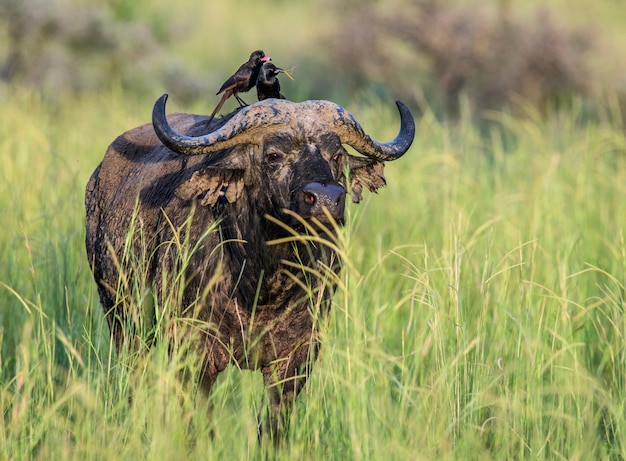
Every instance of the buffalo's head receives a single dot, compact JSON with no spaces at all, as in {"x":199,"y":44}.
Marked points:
{"x":289,"y":155}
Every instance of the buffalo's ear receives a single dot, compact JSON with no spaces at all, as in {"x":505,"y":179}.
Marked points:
{"x":233,"y":160}
{"x":364,"y":172}
{"x":209,"y":184}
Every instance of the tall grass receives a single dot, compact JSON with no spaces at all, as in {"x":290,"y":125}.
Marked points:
{"x":480,"y":313}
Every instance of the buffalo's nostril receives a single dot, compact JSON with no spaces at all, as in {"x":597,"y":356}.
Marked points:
{"x":309,"y":198}
{"x":316,"y":197}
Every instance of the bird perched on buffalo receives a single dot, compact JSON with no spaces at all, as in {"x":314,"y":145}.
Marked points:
{"x":242,"y":80}
{"x":267,"y":85}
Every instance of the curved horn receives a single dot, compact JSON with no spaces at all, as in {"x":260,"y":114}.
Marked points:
{"x":352,"y":133}
{"x":239,"y":129}
{"x":244,"y":126}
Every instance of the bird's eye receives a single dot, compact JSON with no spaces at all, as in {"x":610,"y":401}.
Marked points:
{"x":337,"y":157}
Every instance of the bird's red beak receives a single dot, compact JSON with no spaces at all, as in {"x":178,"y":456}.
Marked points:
{"x":266,"y":58}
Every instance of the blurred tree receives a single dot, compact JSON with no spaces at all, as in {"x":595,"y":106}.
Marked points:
{"x":57,"y":45}
{"x":444,"y":50}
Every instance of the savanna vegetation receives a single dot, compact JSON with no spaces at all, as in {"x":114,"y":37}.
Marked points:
{"x":480,"y":312}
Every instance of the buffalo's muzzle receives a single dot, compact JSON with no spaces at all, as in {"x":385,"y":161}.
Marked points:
{"x":315,"y":197}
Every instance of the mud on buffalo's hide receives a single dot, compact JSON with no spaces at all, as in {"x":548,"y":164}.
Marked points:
{"x":241,"y":176}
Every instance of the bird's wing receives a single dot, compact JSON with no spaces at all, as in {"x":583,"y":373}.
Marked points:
{"x":228,"y":84}
{"x":240,"y":77}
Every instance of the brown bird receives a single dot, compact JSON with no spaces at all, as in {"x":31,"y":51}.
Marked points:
{"x":242,"y":80}
{"x":267,"y":85}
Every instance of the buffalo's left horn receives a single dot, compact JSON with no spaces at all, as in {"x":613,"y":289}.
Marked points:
{"x":244,"y":127}
{"x":351,"y":133}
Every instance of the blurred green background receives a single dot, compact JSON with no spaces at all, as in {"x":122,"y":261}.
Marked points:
{"x":494,"y":53}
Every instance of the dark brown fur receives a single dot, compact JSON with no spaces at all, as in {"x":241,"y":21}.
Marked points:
{"x":254,"y":310}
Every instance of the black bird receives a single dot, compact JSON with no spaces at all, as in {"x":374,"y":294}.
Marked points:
{"x":242,"y":80}
{"x":267,"y":85}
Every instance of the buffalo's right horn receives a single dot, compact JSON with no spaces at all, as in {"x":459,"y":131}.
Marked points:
{"x":227,"y":136}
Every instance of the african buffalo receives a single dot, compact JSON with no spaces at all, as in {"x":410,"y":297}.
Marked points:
{"x":252,"y":287}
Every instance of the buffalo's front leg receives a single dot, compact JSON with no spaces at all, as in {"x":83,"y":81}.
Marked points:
{"x":284,"y":378}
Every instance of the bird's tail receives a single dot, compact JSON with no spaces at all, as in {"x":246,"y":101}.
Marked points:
{"x":225,"y":96}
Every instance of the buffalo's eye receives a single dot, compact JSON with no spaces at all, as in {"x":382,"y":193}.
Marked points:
{"x":274,"y":157}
